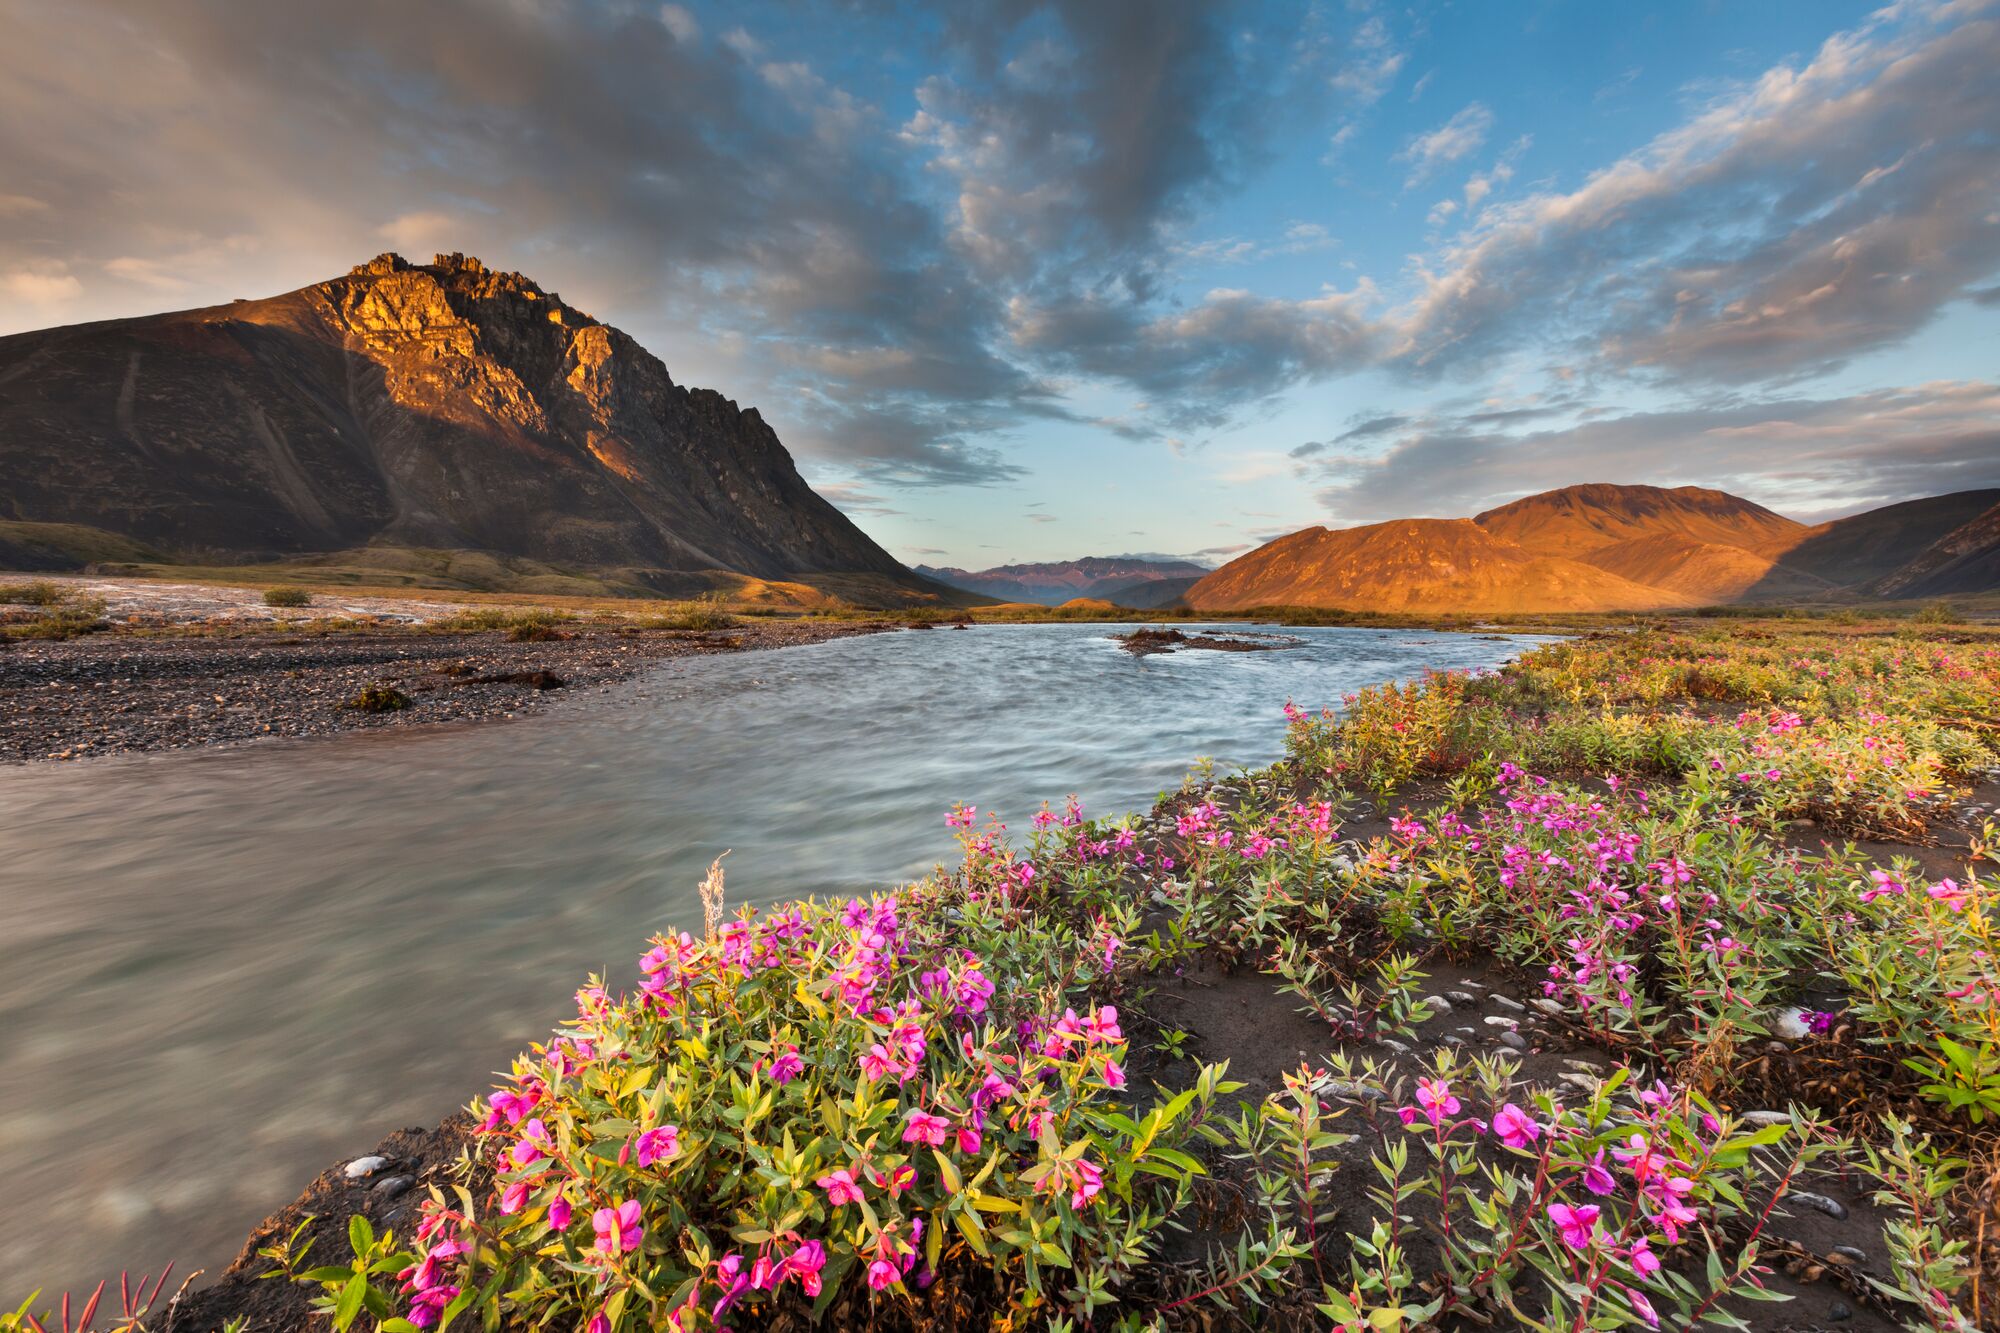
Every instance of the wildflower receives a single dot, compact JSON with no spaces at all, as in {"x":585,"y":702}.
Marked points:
{"x":1087,"y":1181}
{"x":618,"y":1228}
{"x":1434,"y":1096}
{"x":787,"y":1066}
{"x":806,"y":1261}
{"x":840,"y":1187}
{"x":1947,"y":892}
{"x":878,"y":1064}
{"x":560,"y":1211}
{"x":1114,"y":1074}
{"x":1596,"y":1178}
{"x":1644,"y":1262}
{"x":657,"y":1145}
{"x":534,"y":1144}
{"x":920,"y":1126}
{"x":1516,"y":1128}
{"x":968,"y":1140}
{"x":1102,"y":1025}
{"x":599,"y":1324}
{"x":882,"y":1275}
{"x":515,"y":1197}
{"x":1886,"y":882}
{"x":1578,"y":1224}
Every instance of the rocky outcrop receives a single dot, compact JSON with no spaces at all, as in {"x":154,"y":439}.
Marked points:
{"x":440,"y":405}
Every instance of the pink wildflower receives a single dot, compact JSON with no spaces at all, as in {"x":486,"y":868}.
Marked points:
{"x":618,"y":1229}
{"x":1578,"y":1224}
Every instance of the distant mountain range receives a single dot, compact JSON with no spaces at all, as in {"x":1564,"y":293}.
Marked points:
{"x":438,"y":406}
{"x":1617,"y":548}
{"x":1127,"y":582}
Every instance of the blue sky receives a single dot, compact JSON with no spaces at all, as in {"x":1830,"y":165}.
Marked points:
{"x":1032,"y":281}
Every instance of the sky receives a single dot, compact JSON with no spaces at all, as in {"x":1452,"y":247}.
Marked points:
{"x":1032,"y":281}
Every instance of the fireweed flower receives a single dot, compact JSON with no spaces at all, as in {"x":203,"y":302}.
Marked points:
{"x":1597,"y":1178}
{"x":787,"y":1066}
{"x":1577,"y":1224}
{"x":919,"y":1126}
{"x":807,"y":1261}
{"x":1516,"y":1128}
{"x":840,"y":1187}
{"x":534,"y":1144}
{"x":657,"y":1145}
{"x":618,"y":1228}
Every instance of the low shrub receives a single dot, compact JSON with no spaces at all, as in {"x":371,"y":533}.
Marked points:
{"x":287,"y":596}
{"x":35,"y":592}
{"x":378,"y":699}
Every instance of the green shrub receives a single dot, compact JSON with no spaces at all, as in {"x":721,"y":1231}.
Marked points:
{"x":1938,"y":613}
{"x":36,"y":592}
{"x":287,"y":596}
{"x":378,"y":699}
{"x":67,"y":618}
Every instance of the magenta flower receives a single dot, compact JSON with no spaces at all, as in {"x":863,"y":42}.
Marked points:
{"x":1644,"y":1262}
{"x":806,"y":1261}
{"x":515,"y":1197}
{"x":657,"y":1145}
{"x":968,"y":1140}
{"x":1102,"y":1025}
{"x":618,"y":1229}
{"x":883,"y":1275}
{"x":1434,"y":1096}
{"x":787,"y":1066}
{"x":920,"y":1126}
{"x":1578,"y":1224}
{"x":1087,"y":1183}
{"x":1596,"y":1178}
{"x":1516,"y":1128}
{"x":560,"y":1212}
{"x":840,"y":1187}
{"x":1114,"y":1074}
{"x":534,"y":1144}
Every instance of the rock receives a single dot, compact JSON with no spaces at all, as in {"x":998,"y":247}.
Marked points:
{"x":1547,"y":1006}
{"x":1500,"y":1021}
{"x":1766,"y":1118}
{"x":1854,"y":1256}
{"x":1438,"y":1003}
{"x":1509,"y":1002}
{"x":363,"y":1167}
{"x":1465,"y":998}
{"x":390,"y":1186}
{"x":1514,"y":1040}
{"x":1791,"y":1024}
{"x":1398,"y":1047}
{"x":1840,"y":1312}
{"x":1833,"y":1208}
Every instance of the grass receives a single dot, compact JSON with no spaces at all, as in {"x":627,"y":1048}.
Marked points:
{"x":378,"y":699}
{"x":57,"y":612}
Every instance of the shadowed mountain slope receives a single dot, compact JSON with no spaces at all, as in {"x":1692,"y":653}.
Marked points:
{"x":439,"y":406}
{"x":1858,"y":550}
{"x":1966,"y":559}
{"x":1054,"y":582}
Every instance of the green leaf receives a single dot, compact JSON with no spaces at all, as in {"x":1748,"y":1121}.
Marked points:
{"x":349,"y":1305}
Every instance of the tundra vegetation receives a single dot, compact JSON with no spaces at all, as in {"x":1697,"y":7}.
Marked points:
{"x":953,"y":1105}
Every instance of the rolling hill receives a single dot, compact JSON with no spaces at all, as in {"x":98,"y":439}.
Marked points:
{"x":1601,"y":547}
{"x":436,"y":407}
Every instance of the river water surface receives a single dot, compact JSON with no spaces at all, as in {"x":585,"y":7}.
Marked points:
{"x":221,"y":970}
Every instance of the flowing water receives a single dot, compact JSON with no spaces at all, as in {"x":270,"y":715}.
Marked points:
{"x":220,"y":971}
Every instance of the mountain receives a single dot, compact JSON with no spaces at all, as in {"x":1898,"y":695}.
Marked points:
{"x":1857,"y":551}
{"x":1576,"y":521}
{"x":1056,"y":582}
{"x":1602,"y":547}
{"x":440,"y":406}
{"x":1153,"y":594}
{"x":1419,"y":565}
{"x":1966,"y":559}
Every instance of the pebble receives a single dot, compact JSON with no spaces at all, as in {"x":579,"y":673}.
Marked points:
{"x":1547,"y":1006}
{"x":1466,"y":998}
{"x":362,"y":1167}
{"x":1578,"y":1081}
{"x":1509,"y":1002}
{"x":1833,"y":1208}
{"x":1396,"y":1046}
{"x":1852,"y":1254}
{"x":1514,"y":1040}
{"x":1438,"y":1003}
{"x":1840,"y":1312}
{"x":1584,"y":1067}
{"x":390,"y":1186}
{"x":1766,"y":1118}
{"x":1496,"y":1021}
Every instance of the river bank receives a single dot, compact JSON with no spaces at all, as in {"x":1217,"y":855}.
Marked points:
{"x":124,"y":692}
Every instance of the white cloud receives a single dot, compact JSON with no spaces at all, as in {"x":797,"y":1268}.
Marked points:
{"x":1458,"y":137}
{"x":45,"y":285}
{"x":678,"y":21}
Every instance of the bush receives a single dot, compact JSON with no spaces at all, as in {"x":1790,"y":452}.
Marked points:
{"x":287,"y":597}
{"x":705,"y":613}
{"x":66,"y":618}
{"x":853,"y":1100}
{"x":36,"y":592}
{"x":1938,"y":613}
{"x":378,"y":699}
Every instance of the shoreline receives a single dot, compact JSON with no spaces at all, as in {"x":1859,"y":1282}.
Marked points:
{"x":125,"y":693}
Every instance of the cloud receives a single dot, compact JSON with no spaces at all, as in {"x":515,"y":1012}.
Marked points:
{"x":21,"y":205}
{"x":1792,"y":224}
{"x":677,"y":20}
{"x":1459,"y":137}
{"x":46,"y":286}
{"x":1800,"y":453}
